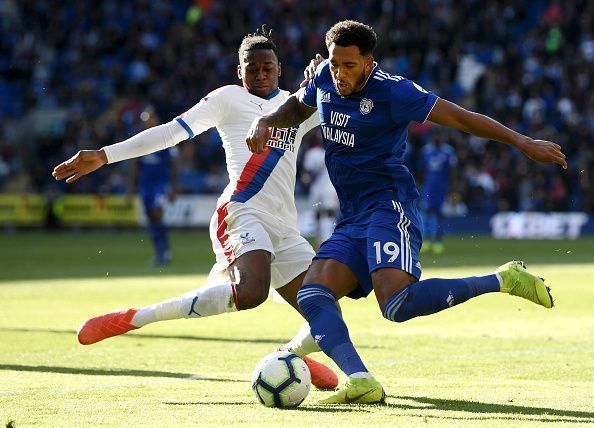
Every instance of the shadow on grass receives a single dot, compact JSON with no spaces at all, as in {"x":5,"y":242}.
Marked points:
{"x":302,"y":408}
{"x":143,"y":336}
{"x":544,"y":414}
{"x":479,"y":411}
{"x":149,"y":336}
{"x":111,"y":372}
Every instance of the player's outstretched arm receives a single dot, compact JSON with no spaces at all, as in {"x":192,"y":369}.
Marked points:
{"x":148,"y":141}
{"x":290,"y":112}
{"x":82,"y":163}
{"x":449,"y":114}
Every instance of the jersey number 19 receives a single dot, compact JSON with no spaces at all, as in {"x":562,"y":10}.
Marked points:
{"x":389,"y":248}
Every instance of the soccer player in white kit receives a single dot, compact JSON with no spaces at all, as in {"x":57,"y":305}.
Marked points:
{"x":254,"y":229}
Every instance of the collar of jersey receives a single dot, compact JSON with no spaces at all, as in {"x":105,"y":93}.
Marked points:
{"x":271,"y":96}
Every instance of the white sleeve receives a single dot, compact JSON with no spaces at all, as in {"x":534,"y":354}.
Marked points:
{"x":204,"y":115}
{"x":208,"y":113}
{"x":148,"y":141}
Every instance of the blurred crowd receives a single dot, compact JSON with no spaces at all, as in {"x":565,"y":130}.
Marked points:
{"x":78,"y":74}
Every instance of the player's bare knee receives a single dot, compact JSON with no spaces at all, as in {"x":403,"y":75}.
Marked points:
{"x":251,"y":275}
{"x":251,"y":294}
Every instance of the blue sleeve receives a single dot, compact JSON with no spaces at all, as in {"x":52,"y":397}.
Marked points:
{"x":410,"y":101}
{"x":309,"y":93}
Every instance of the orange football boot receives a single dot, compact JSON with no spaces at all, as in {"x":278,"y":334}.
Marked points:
{"x":104,"y":326}
{"x":322,"y":377}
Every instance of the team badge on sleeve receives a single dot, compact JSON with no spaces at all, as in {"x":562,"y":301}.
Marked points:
{"x":365,"y":106}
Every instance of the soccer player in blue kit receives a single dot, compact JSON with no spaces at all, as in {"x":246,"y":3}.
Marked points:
{"x":436,"y":161}
{"x":365,"y":113}
{"x":156,"y":174}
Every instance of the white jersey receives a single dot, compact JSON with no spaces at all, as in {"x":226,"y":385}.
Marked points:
{"x":264,"y":181}
{"x":257,"y":209}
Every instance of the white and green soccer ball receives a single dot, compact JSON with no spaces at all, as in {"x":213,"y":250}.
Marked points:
{"x":281,"y":379}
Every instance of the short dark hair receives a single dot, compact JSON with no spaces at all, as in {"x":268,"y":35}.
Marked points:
{"x":261,"y":39}
{"x":349,"y":33}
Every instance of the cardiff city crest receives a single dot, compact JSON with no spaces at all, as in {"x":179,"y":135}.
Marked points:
{"x":365,"y":106}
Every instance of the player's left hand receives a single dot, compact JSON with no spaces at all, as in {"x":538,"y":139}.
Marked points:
{"x":544,"y":151}
{"x":257,"y":136}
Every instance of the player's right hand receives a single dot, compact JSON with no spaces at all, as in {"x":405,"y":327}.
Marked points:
{"x":82,"y":163}
{"x":543,"y":151}
{"x":257,"y":136}
{"x":310,"y":70}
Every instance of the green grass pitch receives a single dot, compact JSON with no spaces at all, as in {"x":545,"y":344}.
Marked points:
{"x":494,"y":361}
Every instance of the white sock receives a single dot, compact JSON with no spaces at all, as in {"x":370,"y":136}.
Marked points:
{"x":303,"y":343}
{"x":361,"y":375}
{"x":203,"y":302}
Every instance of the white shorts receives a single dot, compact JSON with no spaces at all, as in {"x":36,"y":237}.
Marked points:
{"x":236,"y":229}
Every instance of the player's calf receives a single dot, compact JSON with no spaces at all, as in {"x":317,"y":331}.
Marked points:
{"x":433,"y":295}
{"x":202,"y":302}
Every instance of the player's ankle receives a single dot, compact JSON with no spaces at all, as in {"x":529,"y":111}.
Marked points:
{"x":361,"y":375}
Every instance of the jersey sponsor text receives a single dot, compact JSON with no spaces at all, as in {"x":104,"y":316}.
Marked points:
{"x":283,"y":138}
{"x":338,"y":136}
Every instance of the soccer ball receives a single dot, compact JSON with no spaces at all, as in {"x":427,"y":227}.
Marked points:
{"x":281,"y":379}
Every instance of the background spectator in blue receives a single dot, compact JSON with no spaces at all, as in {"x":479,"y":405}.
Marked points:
{"x":437,"y":163}
{"x":155,"y":178}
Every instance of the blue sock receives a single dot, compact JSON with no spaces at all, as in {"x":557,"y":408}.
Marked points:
{"x":328,"y":329}
{"x":433,"y":295}
{"x":163,"y":239}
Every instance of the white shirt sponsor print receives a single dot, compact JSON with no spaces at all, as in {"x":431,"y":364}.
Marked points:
{"x":283,"y":138}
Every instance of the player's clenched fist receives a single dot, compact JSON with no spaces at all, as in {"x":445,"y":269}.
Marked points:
{"x":257,"y":136}
{"x":82,"y":163}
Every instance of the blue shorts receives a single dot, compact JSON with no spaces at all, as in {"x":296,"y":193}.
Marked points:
{"x":386,"y":235}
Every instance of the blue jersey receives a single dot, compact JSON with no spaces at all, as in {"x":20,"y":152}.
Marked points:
{"x":365,"y":136}
{"x":154,"y":170}
{"x":437,"y":162}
